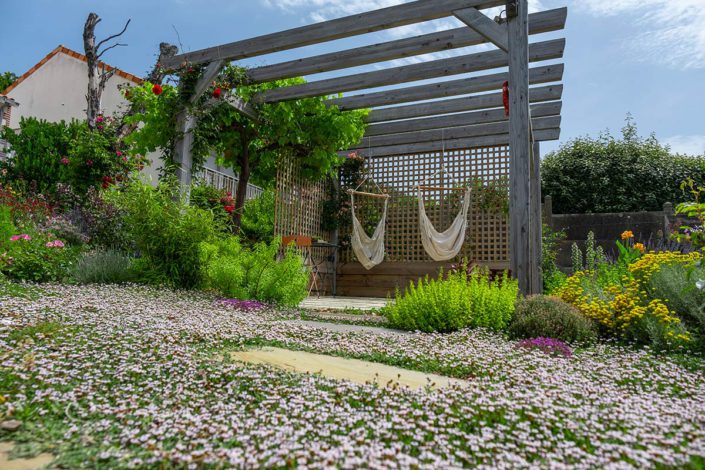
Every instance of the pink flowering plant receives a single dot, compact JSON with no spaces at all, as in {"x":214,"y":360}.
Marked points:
{"x":36,"y":256}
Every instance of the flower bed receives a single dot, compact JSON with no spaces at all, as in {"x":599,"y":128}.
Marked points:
{"x":124,"y":376}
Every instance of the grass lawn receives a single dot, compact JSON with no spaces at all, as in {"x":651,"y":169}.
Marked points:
{"x":133,"y":377}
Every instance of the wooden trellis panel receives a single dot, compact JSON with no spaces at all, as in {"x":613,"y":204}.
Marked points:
{"x":298,"y":204}
{"x":487,"y":238}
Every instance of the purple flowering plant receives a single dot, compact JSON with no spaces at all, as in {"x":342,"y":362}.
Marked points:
{"x":551,"y":346}
{"x":245,"y":305}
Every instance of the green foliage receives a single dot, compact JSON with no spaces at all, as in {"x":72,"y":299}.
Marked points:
{"x":553,"y":278}
{"x":103,"y":222}
{"x":238,"y":272}
{"x":6,"y":79}
{"x":157,"y":121}
{"x":7,"y":225}
{"x":305,"y":129}
{"x":34,"y":257}
{"x":457,"y":301}
{"x":258,"y":218}
{"x":606,"y":174}
{"x":47,"y":154}
{"x":210,"y":198}
{"x":694,"y":209}
{"x":682,"y":287}
{"x":103,"y":267}
{"x":549,"y":317}
{"x":166,"y":232}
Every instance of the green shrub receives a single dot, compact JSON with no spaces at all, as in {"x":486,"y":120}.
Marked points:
{"x":549,"y":317}
{"x":212,"y":199}
{"x":104,"y":222}
{"x":553,"y":278}
{"x":103,"y":267}
{"x":7,"y":226}
{"x":166,"y":232}
{"x":454,"y":302}
{"x":257,"y":224}
{"x":242,"y":273}
{"x":48,"y":154}
{"x":35,"y":257}
{"x":678,"y":286}
{"x":606,"y":174}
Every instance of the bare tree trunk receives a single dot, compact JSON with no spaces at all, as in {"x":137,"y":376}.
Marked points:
{"x":243,"y":180}
{"x":96,"y":79}
{"x":94,"y":91}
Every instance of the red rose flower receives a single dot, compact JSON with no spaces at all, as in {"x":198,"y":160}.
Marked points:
{"x":217,"y":92}
{"x":89,"y":163}
{"x":229,"y":209}
{"x":157,"y":89}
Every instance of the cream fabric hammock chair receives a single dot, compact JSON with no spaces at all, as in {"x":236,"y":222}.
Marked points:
{"x":368,"y":250}
{"x":442,"y":246}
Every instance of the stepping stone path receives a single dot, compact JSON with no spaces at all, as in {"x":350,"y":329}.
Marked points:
{"x":35,"y":463}
{"x":340,"y":368}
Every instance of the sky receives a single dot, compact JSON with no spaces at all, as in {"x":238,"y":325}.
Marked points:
{"x":644,"y":57}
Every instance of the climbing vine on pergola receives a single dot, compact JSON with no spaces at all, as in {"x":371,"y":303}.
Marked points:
{"x":456,"y":114}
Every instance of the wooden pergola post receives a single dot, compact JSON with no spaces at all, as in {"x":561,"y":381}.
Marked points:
{"x":522,"y":263}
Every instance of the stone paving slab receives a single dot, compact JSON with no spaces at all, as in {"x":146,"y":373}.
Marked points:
{"x":35,"y":463}
{"x":347,"y":328}
{"x":342,"y":303}
{"x":341,"y":368}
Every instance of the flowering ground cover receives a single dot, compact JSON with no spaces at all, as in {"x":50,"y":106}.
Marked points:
{"x":135,"y":377}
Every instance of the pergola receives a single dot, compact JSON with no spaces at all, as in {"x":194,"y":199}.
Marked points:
{"x":451,"y":114}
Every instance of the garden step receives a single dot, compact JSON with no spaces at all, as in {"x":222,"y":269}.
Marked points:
{"x":347,"y":328}
{"x":340,"y":368}
{"x":34,"y":463}
{"x":342,"y":303}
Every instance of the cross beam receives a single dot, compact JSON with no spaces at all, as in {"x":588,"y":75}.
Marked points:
{"x":377,"y":20}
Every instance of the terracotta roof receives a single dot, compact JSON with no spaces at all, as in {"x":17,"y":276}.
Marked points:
{"x":69,"y":52}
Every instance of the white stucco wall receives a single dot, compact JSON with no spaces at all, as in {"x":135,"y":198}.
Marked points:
{"x":57,"y":91}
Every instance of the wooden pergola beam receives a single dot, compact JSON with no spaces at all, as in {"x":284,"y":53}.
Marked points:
{"x":491,"y":31}
{"x":458,"y":105}
{"x":541,"y":22}
{"x":545,"y":50}
{"x":464,"y":86}
{"x":454,"y":133}
{"x":456,"y":120}
{"x":454,"y":144}
{"x":377,"y":20}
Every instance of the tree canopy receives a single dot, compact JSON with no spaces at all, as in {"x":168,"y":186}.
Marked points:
{"x":306,"y":130}
{"x":608,"y":174}
{"x":6,"y":79}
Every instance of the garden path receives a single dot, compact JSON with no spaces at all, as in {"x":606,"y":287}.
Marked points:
{"x":35,"y":463}
{"x":341,"y":368}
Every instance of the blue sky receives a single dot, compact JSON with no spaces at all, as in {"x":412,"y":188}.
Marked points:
{"x":646,"y":57}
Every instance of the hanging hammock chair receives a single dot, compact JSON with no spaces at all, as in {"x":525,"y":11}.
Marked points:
{"x":369,"y":250}
{"x":442,"y":246}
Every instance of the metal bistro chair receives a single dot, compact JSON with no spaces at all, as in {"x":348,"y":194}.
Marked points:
{"x":306,"y":246}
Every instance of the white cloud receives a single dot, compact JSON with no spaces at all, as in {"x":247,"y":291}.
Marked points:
{"x":687,"y":144}
{"x":672,"y":31}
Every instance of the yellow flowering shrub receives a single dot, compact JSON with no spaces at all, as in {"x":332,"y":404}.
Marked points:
{"x":650,"y":263}
{"x":626,"y":309}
